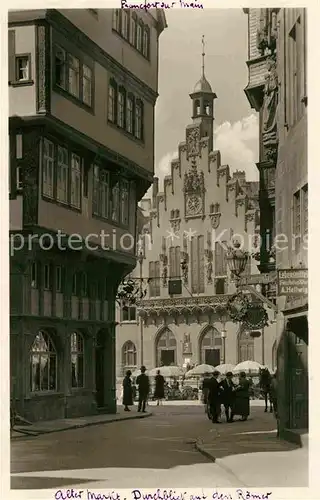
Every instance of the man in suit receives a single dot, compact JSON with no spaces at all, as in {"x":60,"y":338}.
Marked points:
{"x":144,"y":389}
{"x":205,"y":389}
{"x":214,"y":397}
{"x":227,"y":396}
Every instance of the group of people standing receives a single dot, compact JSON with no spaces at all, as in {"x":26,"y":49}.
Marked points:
{"x":143,"y":384}
{"x":234,"y":398}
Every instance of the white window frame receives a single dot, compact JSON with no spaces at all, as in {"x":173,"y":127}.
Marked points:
{"x":48,"y":169}
{"x":74,"y":76}
{"x":138,"y":120}
{"x":62,"y":175}
{"x":24,"y":67}
{"x":121,"y":108}
{"x":129,"y":117}
{"x":87,"y":85}
{"x":75,"y":194}
{"x":59,"y":51}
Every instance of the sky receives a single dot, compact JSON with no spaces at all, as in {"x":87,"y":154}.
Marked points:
{"x":226,"y":47}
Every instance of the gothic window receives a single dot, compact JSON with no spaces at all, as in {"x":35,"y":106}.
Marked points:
{"x":129,"y":355}
{"x":246,"y":346}
{"x":166,"y":347}
{"x":77,"y":358}
{"x":210,"y":347}
{"x":174,"y":262}
{"x":154,"y":275}
{"x":220,"y":259}
{"x":43,"y":364}
{"x":197,"y":264}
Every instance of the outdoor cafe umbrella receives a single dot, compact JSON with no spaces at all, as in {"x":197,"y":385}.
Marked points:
{"x":225,"y":368}
{"x":167,"y":371}
{"x":200,"y":370}
{"x":249,"y":367}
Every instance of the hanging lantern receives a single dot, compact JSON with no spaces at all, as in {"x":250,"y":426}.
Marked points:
{"x":237,"y":259}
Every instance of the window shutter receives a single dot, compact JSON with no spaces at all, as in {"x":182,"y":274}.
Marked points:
{"x":12,"y":55}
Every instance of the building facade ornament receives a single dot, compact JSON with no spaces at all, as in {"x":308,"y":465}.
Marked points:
{"x":193,"y":141}
{"x":215,"y":220}
{"x":270,"y":107}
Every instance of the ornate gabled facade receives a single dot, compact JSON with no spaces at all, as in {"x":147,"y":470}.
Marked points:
{"x":203,"y":207}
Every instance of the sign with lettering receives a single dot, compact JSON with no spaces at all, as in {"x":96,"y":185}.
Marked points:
{"x":293,"y":282}
{"x":258,"y":279}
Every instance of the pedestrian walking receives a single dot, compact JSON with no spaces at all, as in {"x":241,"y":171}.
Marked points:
{"x":144,"y":388}
{"x":227,"y":396}
{"x":159,"y":388}
{"x":242,"y":398}
{"x":214,"y":397}
{"x":127,"y":397}
{"x":205,"y":390}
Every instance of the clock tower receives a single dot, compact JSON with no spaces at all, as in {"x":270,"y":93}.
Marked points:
{"x":202,"y":105}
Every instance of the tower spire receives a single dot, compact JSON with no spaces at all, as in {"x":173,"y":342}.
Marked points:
{"x":203,"y":54}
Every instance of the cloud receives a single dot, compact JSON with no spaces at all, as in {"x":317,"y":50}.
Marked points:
{"x":239,"y":145}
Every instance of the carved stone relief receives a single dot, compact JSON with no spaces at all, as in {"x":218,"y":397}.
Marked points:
{"x":215,"y":220}
{"x":193,"y":141}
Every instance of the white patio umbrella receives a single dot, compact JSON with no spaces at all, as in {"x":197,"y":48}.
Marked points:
{"x":167,"y":371}
{"x":137,"y":372}
{"x":200,"y":370}
{"x":249,"y":367}
{"x":225,"y":368}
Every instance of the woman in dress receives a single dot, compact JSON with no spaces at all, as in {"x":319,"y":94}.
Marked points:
{"x":127,"y":391}
{"x":242,"y":398}
{"x":159,"y":388}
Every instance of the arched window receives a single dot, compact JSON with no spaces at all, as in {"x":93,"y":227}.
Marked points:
{"x":210,"y":347}
{"x":166,"y":348}
{"x":197,"y":107}
{"x":129,"y":355}
{"x":43,"y":364}
{"x":77,"y":365}
{"x":246,"y":346}
{"x":207,"y":108}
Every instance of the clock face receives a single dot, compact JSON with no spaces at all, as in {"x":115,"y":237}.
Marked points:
{"x":194,"y":205}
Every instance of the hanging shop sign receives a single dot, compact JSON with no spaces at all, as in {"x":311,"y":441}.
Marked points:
{"x":293,"y":282}
{"x":255,"y":317}
{"x":237,"y":306}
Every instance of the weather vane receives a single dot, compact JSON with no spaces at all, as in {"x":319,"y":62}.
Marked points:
{"x":203,"y":54}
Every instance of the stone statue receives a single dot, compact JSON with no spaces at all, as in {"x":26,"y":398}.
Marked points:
{"x":209,"y":272}
{"x":164,"y":276}
{"x":270,"y":105}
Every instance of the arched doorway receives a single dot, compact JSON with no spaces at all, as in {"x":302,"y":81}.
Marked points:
{"x":210,"y":346}
{"x":166,"y":348}
{"x":43,"y":364}
{"x":245,"y":346}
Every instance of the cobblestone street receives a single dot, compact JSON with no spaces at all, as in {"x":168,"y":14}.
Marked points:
{"x":161,"y":447}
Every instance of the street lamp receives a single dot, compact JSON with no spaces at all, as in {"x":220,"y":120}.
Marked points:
{"x":223,"y":319}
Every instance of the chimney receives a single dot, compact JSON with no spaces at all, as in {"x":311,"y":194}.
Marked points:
{"x":155,"y":190}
